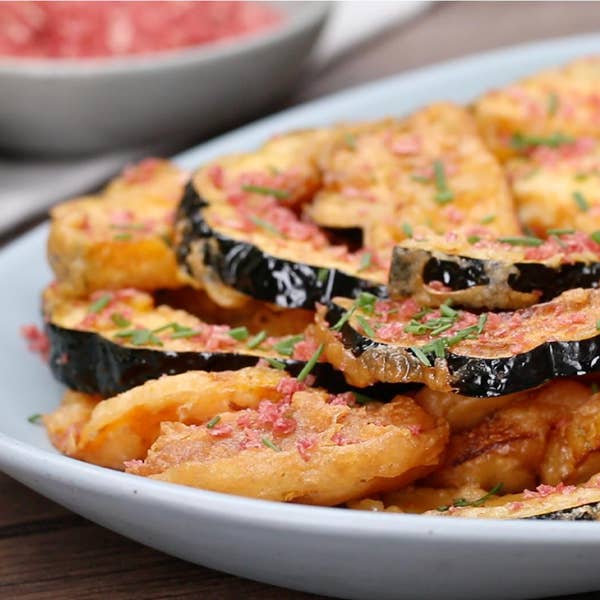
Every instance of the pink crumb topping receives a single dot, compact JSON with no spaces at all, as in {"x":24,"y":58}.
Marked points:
{"x":37,"y":340}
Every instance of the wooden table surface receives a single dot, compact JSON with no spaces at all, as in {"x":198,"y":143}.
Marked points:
{"x":49,"y":552}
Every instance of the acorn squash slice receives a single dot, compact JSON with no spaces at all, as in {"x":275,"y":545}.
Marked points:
{"x":116,"y":340}
{"x":494,"y":273}
{"x":121,"y":237}
{"x":491,"y":354}
{"x":548,"y":503}
{"x":279,"y":259}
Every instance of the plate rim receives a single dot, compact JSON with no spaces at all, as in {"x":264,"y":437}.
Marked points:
{"x":17,"y":456}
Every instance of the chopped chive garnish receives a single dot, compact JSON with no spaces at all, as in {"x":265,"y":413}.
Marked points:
{"x":239,"y":333}
{"x":35,"y":419}
{"x":265,"y":225}
{"x":444,"y":194}
{"x":140,"y":337}
{"x":366,"y":326}
{"x":310,"y":365}
{"x":350,"y":140}
{"x":119,"y":320}
{"x":560,"y":231}
{"x":276,"y":364}
{"x":100,"y":304}
{"x":580,"y":176}
{"x":448,"y":311}
{"x":269,"y":444}
{"x":473,"y":239}
{"x":366,"y":302}
{"x":481,"y":323}
{"x":122,"y":237}
{"x":344,"y":318}
{"x":521,"y":241}
{"x":362,"y":399}
{"x":487,"y":219}
{"x":421,"y":355}
{"x":186,"y":332}
{"x":553,"y":103}
{"x":213,"y":422}
{"x":365,"y":262}
{"x":421,"y":179}
{"x":179,"y":331}
{"x":461,"y":335}
{"x":167,"y":239}
{"x":598,"y":325}
{"x":287,"y":345}
{"x":522,"y":142}
{"x":595,"y":235}
{"x":594,"y":387}
{"x":257,"y":340}
{"x":322,"y":275}
{"x":444,"y":197}
{"x":424,"y":311}
{"x":460,"y":502}
{"x":581,"y":201}
{"x":408,"y":230}
{"x":174,"y":326}
{"x":266,"y":191}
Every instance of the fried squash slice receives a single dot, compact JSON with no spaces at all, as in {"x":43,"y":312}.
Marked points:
{"x":545,"y":110}
{"x":492,"y":272}
{"x":429,"y":171}
{"x":122,"y":237}
{"x":545,"y":502}
{"x":482,"y":355}
{"x":114,"y":340}
{"x":122,"y":428}
{"x":556,"y":189}
{"x":309,"y":447}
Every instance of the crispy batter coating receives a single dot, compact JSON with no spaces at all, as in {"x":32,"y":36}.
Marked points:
{"x":309,"y":448}
{"x":430,"y":170}
{"x":509,"y":446}
{"x":573,"y":453}
{"x":560,"y":502}
{"x":462,"y":412}
{"x":416,"y":500}
{"x":557,"y":188}
{"x":122,"y":428}
{"x":561,"y":100}
{"x":64,"y":425}
{"x":122,"y":237}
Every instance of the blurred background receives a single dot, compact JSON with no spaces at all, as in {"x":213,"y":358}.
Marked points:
{"x":82,"y":96}
{"x":85,"y":90}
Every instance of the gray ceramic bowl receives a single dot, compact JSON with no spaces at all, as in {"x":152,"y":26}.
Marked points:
{"x":72,"y":107}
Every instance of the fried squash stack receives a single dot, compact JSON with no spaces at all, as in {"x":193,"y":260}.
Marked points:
{"x":399,"y":315}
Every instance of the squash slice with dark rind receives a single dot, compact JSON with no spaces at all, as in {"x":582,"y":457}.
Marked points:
{"x":115,"y":340}
{"x":487,"y":355}
{"x":482,"y":272}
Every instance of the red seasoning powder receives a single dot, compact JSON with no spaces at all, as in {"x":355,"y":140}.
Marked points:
{"x":108,"y":29}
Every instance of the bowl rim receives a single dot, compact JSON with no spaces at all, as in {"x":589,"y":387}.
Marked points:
{"x":306,"y":16}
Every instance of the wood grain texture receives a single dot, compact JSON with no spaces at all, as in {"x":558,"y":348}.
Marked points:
{"x":46,"y":552}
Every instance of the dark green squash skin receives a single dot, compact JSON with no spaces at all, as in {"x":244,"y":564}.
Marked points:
{"x":526,"y":277}
{"x":249,"y":270}
{"x":491,"y":377}
{"x":88,"y":362}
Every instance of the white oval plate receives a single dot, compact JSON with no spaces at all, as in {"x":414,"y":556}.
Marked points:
{"x":323,"y":550}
